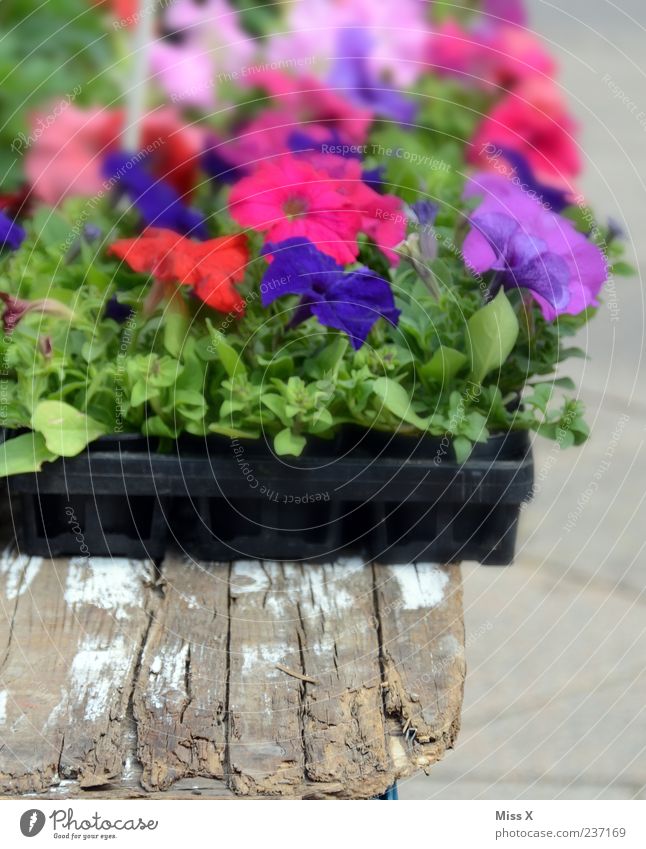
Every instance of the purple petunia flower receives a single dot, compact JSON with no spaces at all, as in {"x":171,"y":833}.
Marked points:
{"x":11,"y":234}
{"x":348,"y":301}
{"x":351,"y":73}
{"x":530,"y":247}
{"x":158,"y":203}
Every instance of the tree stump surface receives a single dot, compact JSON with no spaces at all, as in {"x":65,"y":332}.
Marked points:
{"x":121,"y":679}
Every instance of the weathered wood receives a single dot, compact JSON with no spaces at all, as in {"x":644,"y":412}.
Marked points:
{"x":180,"y":695}
{"x":256,"y":679}
{"x":422,"y":636}
{"x":66,"y":679}
{"x":344,"y":732}
{"x":265,"y":705}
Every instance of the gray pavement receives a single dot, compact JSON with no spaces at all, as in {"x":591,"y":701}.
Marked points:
{"x":555,"y":703}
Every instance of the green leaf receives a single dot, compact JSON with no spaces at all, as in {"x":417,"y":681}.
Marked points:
{"x":444,"y":364}
{"x":623,"y":269}
{"x":491,"y":336}
{"x":51,"y":229}
{"x":66,"y":430}
{"x":287,"y":442}
{"x":462,"y":447}
{"x":22,"y":454}
{"x":277,"y":405}
{"x":397,"y":401}
{"x":233,"y":432}
{"x":176,"y":326}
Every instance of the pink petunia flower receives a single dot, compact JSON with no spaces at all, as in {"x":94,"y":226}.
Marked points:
{"x":382,"y":216}
{"x":292,"y":198}
{"x":533,"y":121}
{"x":204,"y":43}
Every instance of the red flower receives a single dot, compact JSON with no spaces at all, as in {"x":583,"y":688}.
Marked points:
{"x":211,"y":268}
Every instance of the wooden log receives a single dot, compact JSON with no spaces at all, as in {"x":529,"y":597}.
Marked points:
{"x":422,"y":649}
{"x":180,"y":695}
{"x":265,"y":729}
{"x":75,"y":638}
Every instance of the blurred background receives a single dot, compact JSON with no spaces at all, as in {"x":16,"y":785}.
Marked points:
{"x":554,"y":703}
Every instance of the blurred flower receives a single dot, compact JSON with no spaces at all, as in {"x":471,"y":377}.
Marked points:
{"x":485,"y":55}
{"x":66,"y":158}
{"x":202,"y":42}
{"x":398,"y":37}
{"x":518,"y":168}
{"x":308,"y":100}
{"x":17,"y":308}
{"x":292,"y":198}
{"x":11,"y":234}
{"x":158,"y":203}
{"x":211,"y":268}
{"x":534,"y":122}
{"x":351,"y":302}
{"x":532,"y":248}
{"x":351,"y":74}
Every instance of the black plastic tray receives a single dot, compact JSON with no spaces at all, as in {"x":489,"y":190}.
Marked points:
{"x":393,"y":499}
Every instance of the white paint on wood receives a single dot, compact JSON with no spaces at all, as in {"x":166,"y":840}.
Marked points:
{"x":19,"y":571}
{"x":97,"y":665}
{"x":169,"y":670}
{"x":113,"y":584}
{"x":421,"y":585}
{"x":263,"y":659}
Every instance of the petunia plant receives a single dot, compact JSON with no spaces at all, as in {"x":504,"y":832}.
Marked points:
{"x":361,"y":241}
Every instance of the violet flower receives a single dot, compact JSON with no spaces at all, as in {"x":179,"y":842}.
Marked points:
{"x":218,"y":166}
{"x":348,"y":301}
{"x":530,"y":247}
{"x":158,"y":203}
{"x":351,"y":73}
{"x":11,"y":234}
{"x":117,"y":311}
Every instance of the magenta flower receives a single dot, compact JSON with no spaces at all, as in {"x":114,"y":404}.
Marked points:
{"x":530,"y":247}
